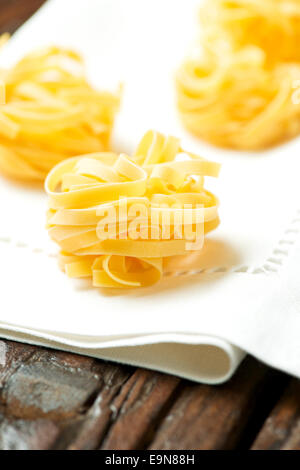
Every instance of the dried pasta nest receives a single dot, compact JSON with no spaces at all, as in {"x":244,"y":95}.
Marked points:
{"x":116,"y":217}
{"x":51,"y":113}
{"x":239,"y":88}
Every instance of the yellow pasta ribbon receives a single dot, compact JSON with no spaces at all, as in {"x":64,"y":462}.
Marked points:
{"x":51,"y":113}
{"x":238,"y":89}
{"x":140,"y":199}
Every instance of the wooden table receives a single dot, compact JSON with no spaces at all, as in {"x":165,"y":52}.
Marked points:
{"x":55,"y":400}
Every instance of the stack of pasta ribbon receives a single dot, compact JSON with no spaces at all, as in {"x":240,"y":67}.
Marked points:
{"x":115,"y":217}
{"x":51,"y":113}
{"x":237,"y":89}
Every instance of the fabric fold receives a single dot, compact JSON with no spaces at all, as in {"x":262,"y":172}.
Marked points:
{"x":199,"y":358}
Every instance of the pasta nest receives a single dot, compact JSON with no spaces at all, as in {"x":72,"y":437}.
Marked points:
{"x":139,"y":200}
{"x":238,"y":89}
{"x":51,"y":113}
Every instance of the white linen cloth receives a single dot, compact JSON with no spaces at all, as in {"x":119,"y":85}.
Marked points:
{"x":244,"y":294}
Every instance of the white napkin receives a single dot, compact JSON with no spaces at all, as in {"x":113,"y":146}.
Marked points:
{"x":243,"y":294}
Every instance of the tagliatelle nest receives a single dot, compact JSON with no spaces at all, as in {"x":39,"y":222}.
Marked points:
{"x":51,"y":113}
{"x":117,"y":217}
{"x":239,"y":90}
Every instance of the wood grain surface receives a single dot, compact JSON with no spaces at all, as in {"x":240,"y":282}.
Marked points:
{"x":56,"y":400}
{"x":13,"y":13}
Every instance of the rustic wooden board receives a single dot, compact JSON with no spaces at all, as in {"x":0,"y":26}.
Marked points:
{"x":220,"y":417}
{"x":56,"y":400}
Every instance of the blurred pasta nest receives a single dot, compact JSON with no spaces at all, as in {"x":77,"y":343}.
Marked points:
{"x":236,"y":89}
{"x":51,"y":113}
{"x":116,"y":217}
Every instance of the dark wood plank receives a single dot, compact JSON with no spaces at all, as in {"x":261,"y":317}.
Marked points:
{"x":205,"y":417}
{"x":13,"y":13}
{"x":56,"y":400}
{"x":88,"y":430}
{"x":12,"y":356}
{"x":46,"y":386}
{"x":281,"y":431}
{"x":138,"y":409}
{"x":109,"y":422}
{"x":51,"y":398}
{"x":19,"y":434}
